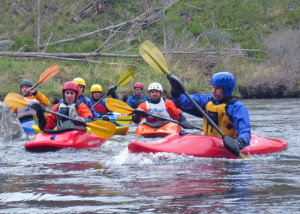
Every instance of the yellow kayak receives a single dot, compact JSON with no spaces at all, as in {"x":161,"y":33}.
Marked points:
{"x":120,"y":130}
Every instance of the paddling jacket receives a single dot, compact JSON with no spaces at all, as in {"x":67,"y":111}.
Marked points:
{"x":26,"y":113}
{"x":134,"y":101}
{"x":72,"y":110}
{"x":89,"y":103}
{"x":100,"y":108}
{"x":231,"y":112}
{"x":164,"y":108}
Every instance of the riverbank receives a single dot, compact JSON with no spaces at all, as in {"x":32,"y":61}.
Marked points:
{"x":254,"y":80}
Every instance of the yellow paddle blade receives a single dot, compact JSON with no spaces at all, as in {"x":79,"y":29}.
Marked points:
{"x":102,"y":128}
{"x":118,"y":106}
{"x":48,"y":73}
{"x":126,"y":76}
{"x":15,"y":100}
{"x":124,"y":120}
{"x":153,"y":56}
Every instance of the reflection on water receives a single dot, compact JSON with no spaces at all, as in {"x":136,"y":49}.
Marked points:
{"x":108,"y":179}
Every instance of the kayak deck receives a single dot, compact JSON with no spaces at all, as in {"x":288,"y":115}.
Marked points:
{"x":44,"y":142}
{"x":205,"y":146}
{"x":162,"y":131}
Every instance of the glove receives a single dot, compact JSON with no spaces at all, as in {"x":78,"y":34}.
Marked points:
{"x":88,"y":119}
{"x":35,"y":92}
{"x":40,"y":115}
{"x":106,"y":118}
{"x":112,"y":92}
{"x":136,"y":118}
{"x":174,"y":93}
{"x":186,"y":125}
{"x":241,"y":143}
{"x":37,"y":107}
{"x":79,"y":121}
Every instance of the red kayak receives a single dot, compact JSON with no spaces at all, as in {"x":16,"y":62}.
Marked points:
{"x":206,"y":146}
{"x":159,"y":129}
{"x":44,"y":142}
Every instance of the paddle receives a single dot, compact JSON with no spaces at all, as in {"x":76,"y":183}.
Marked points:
{"x":101,"y":128}
{"x":124,"y":79}
{"x":124,"y":120}
{"x":47,"y":74}
{"x":123,"y":108}
{"x":153,"y":56}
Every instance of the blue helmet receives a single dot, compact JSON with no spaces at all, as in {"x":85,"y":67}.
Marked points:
{"x":225,"y":80}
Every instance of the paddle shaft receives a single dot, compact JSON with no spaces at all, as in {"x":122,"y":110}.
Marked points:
{"x":204,"y":114}
{"x":61,"y":115}
{"x":170,"y":120}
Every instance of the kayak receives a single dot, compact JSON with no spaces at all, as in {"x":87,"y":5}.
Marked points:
{"x":205,"y":146}
{"x":120,"y":130}
{"x":159,"y":129}
{"x":44,"y":142}
{"x":27,"y":126}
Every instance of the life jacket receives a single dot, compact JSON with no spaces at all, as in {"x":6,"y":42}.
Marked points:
{"x":138,"y":100}
{"x":100,"y":108}
{"x":158,"y":109}
{"x":70,"y":111}
{"x":25,"y":111}
{"x":218,"y":115}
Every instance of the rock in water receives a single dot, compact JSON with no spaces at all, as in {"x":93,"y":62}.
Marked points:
{"x":10,"y":127}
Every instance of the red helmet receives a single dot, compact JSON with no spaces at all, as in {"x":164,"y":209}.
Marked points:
{"x":71,"y":86}
{"x":138,"y":85}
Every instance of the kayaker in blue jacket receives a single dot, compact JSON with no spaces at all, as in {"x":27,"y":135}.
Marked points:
{"x":227,"y":112}
{"x":137,"y":98}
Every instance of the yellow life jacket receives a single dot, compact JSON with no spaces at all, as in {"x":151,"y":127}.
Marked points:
{"x":218,"y":114}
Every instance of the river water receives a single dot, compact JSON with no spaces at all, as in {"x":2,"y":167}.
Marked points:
{"x":108,"y":179}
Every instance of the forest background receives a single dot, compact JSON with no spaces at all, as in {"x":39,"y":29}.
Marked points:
{"x":258,"y":41}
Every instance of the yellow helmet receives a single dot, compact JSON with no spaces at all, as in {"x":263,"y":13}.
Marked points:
{"x":96,"y":88}
{"x":79,"y":81}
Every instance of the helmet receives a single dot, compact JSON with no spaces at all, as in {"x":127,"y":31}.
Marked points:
{"x":79,"y":81}
{"x":155,"y":85}
{"x":96,"y":88}
{"x":26,"y":82}
{"x":71,"y":86}
{"x":225,"y":80}
{"x":138,"y":85}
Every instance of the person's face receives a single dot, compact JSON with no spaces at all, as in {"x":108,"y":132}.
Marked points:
{"x":81,"y":89}
{"x":138,"y":91}
{"x":155,"y":94}
{"x":70,"y":96}
{"x":25,"y":88}
{"x":96,"y":95}
{"x":218,"y":92}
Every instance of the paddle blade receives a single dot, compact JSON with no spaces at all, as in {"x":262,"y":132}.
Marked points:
{"x":118,"y":106}
{"x":153,"y":56}
{"x":15,"y":100}
{"x":48,"y":73}
{"x":124,"y":120}
{"x":126,"y":76}
{"x":102,"y":128}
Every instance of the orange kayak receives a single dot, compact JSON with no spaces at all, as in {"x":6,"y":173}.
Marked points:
{"x":160,"y":129}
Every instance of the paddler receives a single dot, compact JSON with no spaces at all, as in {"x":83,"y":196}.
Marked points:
{"x":159,"y":106}
{"x":96,"y":94}
{"x":70,"y":106}
{"x":137,"y":98}
{"x":32,"y":96}
{"x":86,"y":100}
{"x":227,"y":112}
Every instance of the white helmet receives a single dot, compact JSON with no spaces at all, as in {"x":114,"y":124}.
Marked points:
{"x":155,"y":85}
